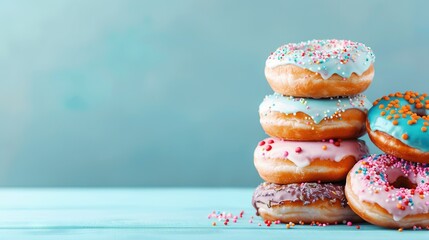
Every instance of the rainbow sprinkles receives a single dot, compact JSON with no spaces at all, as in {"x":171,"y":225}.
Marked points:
{"x":326,"y":57}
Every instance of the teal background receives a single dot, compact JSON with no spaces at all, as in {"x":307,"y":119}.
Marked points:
{"x":166,"y":93}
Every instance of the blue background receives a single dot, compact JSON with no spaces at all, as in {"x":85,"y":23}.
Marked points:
{"x":166,"y":93}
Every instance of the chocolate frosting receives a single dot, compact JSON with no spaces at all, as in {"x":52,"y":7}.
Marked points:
{"x":271,"y":194}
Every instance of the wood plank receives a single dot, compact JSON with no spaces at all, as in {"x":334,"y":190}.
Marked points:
{"x":153,"y":214}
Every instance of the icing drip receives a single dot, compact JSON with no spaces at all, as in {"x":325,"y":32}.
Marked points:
{"x":303,"y":153}
{"x":326,"y":57}
{"x":372,"y":181}
{"x":271,"y":194}
{"x":316,"y":109}
{"x":403,"y":116}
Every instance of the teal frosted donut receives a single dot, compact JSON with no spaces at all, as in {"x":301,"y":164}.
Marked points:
{"x":398,"y":125}
{"x":320,"y":68}
{"x":308,"y":119}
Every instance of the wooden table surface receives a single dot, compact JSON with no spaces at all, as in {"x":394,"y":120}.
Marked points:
{"x":155,"y":213}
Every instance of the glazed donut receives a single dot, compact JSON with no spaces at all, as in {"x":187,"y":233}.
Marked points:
{"x":389,"y":192}
{"x":398,"y":124}
{"x":307,"y":119}
{"x":284,"y":162}
{"x":320,"y":68}
{"x":306,"y":202}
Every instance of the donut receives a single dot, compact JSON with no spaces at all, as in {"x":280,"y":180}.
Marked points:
{"x":306,"y":202}
{"x":320,"y":68}
{"x":390,"y":192}
{"x":307,"y":119}
{"x":283,"y":162}
{"x":398,"y":124}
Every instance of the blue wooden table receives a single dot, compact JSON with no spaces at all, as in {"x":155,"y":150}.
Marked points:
{"x":155,"y":214}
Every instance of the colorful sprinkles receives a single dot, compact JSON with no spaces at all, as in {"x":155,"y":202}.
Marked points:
{"x":227,"y":217}
{"x":375,"y":179}
{"x":412,"y":111}
{"x":316,"y":110}
{"x":325,"y":57}
{"x":403,"y":116}
{"x":271,"y":194}
{"x":303,"y":153}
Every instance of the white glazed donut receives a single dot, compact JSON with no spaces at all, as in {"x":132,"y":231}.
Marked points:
{"x":307,"y":119}
{"x":320,"y":68}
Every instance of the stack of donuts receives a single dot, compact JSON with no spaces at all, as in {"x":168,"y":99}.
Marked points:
{"x":313,"y":118}
{"x":392,"y":189}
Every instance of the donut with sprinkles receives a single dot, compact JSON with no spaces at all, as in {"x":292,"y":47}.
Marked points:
{"x":308,"y":119}
{"x":390,"y":192}
{"x":320,"y":68}
{"x":283,"y":162}
{"x":398,"y":124}
{"x":303,"y":202}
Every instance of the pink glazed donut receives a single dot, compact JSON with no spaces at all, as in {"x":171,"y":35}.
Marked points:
{"x":283,"y":162}
{"x":390,"y":192}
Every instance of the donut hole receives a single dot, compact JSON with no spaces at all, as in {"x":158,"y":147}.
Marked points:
{"x":403,"y":182}
{"x":421,"y":112}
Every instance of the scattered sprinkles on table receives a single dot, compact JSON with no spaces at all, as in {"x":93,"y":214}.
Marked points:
{"x":226,"y":218}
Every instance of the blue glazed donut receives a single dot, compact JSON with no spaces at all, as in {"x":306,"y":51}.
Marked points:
{"x":398,"y":124}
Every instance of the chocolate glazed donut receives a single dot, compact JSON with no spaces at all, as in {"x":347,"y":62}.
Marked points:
{"x":306,"y":202}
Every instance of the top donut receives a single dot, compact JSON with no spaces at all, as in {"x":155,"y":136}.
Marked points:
{"x":320,"y":68}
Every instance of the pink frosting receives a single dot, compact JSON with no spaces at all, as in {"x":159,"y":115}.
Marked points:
{"x":372,"y":178}
{"x":302,"y":153}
